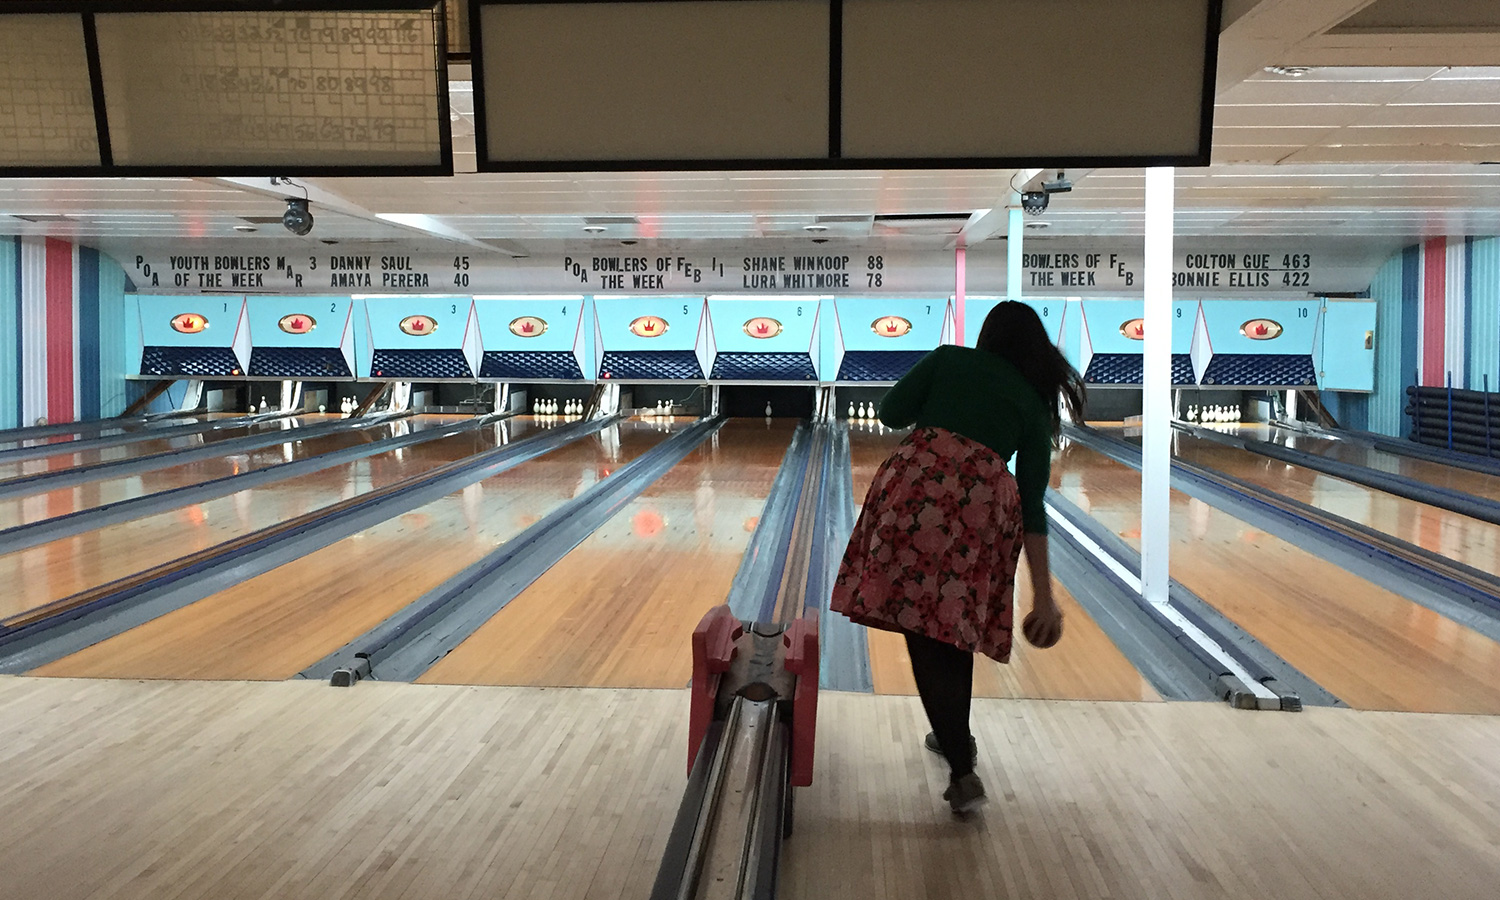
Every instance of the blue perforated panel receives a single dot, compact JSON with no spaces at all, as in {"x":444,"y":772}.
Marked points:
{"x":419,"y":364}
{"x":878,"y":365}
{"x":1128,"y":368}
{"x":299,"y":362}
{"x":520,"y":365}
{"x":650,"y":365}
{"x":1268,"y":370}
{"x":764,"y":367}
{"x":193,"y":362}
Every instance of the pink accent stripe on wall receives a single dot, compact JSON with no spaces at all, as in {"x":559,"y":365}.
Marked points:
{"x":1434,"y":297}
{"x":61,"y":393}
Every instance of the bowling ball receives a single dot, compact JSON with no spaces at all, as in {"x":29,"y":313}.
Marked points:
{"x":1038,"y":634}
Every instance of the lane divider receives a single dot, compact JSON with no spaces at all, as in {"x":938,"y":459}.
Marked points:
{"x":57,"y":629}
{"x":32,"y":534}
{"x":1445,"y":586}
{"x":135,"y":465}
{"x":22,"y":454}
{"x":410,"y":642}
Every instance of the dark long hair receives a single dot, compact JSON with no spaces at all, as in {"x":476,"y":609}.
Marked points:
{"x":1014,"y":332}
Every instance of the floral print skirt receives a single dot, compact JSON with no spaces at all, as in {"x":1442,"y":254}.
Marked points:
{"x":936,"y":546}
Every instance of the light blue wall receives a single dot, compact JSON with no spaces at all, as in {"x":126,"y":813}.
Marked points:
{"x":1384,"y":410}
{"x":10,"y":332}
{"x":1484,"y":313}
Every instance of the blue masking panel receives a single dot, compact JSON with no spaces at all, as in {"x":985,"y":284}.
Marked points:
{"x":787,"y":351}
{"x":856,"y":316}
{"x":326,"y":351}
{"x":219,"y":349}
{"x":1298,"y":320}
{"x":1050,"y":310}
{"x":385,"y":351}
{"x":1104,"y":319}
{"x":155,"y":316}
{"x":1349,"y":345}
{"x":672,"y":354}
{"x":553,"y":352}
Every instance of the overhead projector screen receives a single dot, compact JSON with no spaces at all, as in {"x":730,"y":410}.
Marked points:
{"x":46,"y":103}
{"x":299,"y":91}
{"x":1034,"y":80}
{"x":643,"y":82}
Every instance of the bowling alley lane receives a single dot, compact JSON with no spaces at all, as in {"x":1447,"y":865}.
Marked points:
{"x":102,"y":428}
{"x":619,"y":610}
{"x":63,"y":459}
{"x":1086,"y":665}
{"x":64,"y":567}
{"x":276,"y":624}
{"x":1368,"y":646}
{"x":62,"y":501}
{"x":1436,"y":474}
{"x":1458,"y":537}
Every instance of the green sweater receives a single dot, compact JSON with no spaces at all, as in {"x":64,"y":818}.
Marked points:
{"x":982,"y":397}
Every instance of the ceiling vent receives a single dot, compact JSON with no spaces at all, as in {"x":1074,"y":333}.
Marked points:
{"x":922,"y":223}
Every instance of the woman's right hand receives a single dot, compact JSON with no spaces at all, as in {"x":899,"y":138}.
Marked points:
{"x":1043,"y":626}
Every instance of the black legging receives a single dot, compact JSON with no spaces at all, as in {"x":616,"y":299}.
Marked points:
{"x":945,"y":681}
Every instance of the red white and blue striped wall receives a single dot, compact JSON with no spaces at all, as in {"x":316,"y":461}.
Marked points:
{"x":1438,"y":323}
{"x":61,"y":320}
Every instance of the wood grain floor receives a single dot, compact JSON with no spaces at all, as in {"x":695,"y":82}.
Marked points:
{"x":63,"y":459}
{"x":619,"y":610}
{"x":1436,"y":474}
{"x":278,"y":623}
{"x":64,"y":567}
{"x":62,"y":501}
{"x":121,"y":790}
{"x":1470,"y":541}
{"x":1370,"y":647}
{"x":1085,"y":665}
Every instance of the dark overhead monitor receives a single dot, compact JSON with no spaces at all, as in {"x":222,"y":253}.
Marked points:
{"x":253,"y":87}
{"x":725,"y":84}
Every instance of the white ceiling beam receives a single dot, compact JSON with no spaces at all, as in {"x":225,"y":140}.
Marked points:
{"x":1265,"y":34}
{"x":984,"y":224}
{"x":1404,"y":48}
{"x":320,"y":197}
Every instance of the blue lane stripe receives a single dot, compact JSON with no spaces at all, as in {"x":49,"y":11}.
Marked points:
{"x":20,"y":342}
{"x":1411,"y":283}
{"x":88,"y":334}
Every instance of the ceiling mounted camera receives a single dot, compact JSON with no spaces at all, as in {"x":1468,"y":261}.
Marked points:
{"x":1058,"y":185}
{"x":297,"y":219}
{"x":1034,"y":202}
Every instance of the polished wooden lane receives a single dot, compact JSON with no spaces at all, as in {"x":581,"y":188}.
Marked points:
{"x":1465,"y":481}
{"x":619,"y":610}
{"x":127,"y":790}
{"x":62,"y":501}
{"x":278,"y":623}
{"x":64,"y":459}
{"x":64,"y":567}
{"x":1086,"y":665}
{"x":1149,"y":801}
{"x":1455,"y":536}
{"x":1370,"y":647}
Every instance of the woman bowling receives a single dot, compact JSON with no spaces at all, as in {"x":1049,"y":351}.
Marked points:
{"x":934,"y":553}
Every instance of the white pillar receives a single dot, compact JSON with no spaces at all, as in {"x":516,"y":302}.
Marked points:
{"x":1015,"y":229}
{"x":1156,"y":413}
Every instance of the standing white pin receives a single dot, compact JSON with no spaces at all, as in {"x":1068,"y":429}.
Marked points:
{"x":851,"y":410}
{"x":322,"y":407}
{"x":768,"y":409}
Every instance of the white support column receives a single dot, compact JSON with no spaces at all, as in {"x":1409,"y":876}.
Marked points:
{"x":1156,"y":412}
{"x":1014,"y":232}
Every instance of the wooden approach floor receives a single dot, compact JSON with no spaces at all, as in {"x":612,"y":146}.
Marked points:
{"x":292,"y":790}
